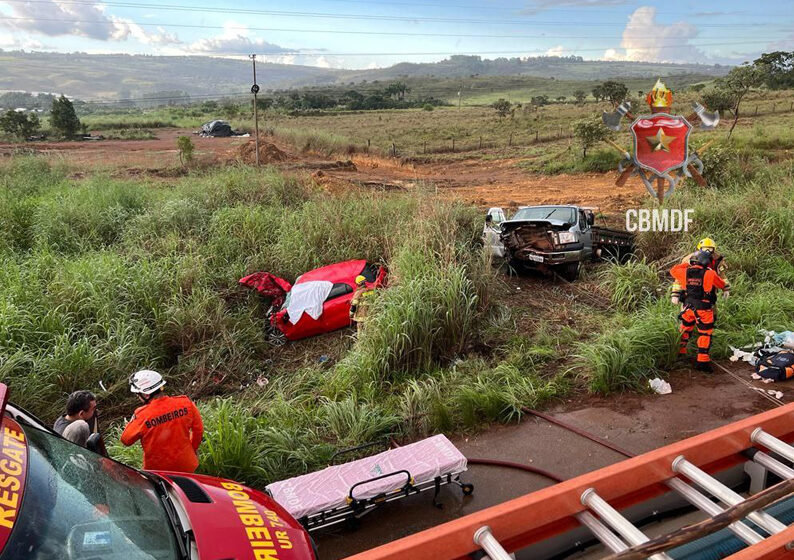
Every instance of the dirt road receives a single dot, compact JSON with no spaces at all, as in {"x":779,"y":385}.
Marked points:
{"x":484,"y":181}
{"x":638,"y":423}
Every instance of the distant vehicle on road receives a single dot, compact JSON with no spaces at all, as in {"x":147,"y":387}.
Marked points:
{"x":553,"y":238}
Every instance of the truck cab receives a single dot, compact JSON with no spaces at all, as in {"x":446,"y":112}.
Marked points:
{"x":61,"y":501}
{"x":552,"y":238}
{"x":543,"y":237}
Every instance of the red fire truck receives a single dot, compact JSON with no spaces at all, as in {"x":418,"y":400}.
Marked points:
{"x":60,"y":501}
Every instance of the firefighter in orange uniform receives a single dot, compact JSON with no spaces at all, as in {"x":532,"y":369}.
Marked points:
{"x":170,"y":428}
{"x":701,"y":284}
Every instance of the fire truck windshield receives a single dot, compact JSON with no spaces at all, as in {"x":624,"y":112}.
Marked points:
{"x":79,"y":505}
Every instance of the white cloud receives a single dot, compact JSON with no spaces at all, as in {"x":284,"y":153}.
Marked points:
{"x":559,"y":50}
{"x":123,"y":29}
{"x":12,"y":41}
{"x":645,"y":39}
{"x":87,"y":19}
{"x":234,"y":40}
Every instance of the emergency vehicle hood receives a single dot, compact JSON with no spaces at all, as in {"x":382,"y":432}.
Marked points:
{"x":230,"y":520}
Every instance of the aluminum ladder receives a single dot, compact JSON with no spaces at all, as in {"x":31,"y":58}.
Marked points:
{"x":618,"y":534}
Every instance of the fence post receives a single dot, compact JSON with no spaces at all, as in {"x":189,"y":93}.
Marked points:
{"x":756,"y":110}
{"x":791,"y":107}
{"x":480,"y":147}
{"x":510,"y":141}
{"x":424,"y":147}
{"x":536,"y":136}
{"x":368,"y":142}
{"x":393,"y":149}
{"x":453,"y":143}
{"x":773,"y":107}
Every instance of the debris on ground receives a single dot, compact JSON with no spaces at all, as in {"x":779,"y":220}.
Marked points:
{"x":218,"y":129}
{"x":660,"y":386}
{"x":268,"y":152}
{"x":773,"y":359}
{"x":775,"y":366}
{"x":784,"y":339}
{"x":337,"y":165}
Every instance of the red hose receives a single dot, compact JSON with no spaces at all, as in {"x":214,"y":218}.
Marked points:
{"x":498,"y":463}
{"x":583,"y":433}
{"x":519,"y":466}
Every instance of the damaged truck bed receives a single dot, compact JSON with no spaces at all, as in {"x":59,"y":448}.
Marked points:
{"x":553,"y":238}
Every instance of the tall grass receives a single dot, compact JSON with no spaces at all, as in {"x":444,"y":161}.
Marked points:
{"x":752,"y":221}
{"x":101,"y":277}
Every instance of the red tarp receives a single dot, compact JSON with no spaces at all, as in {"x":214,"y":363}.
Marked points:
{"x":268,"y":285}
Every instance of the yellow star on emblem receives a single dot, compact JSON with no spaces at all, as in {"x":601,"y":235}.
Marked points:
{"x":660,"y":142}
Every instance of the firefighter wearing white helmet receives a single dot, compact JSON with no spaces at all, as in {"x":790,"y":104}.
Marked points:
{"x":358,"y":305}
{"x":169,"y":428}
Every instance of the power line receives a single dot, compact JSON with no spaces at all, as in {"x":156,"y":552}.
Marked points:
{"x":331,"y":15}
{"x":529,"y":11}
{"x":346,"y":32}
{"x":242,"y":28}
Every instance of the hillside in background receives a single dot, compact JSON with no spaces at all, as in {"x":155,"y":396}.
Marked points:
{"x":562,"y":68}
{"x":117,"y":76}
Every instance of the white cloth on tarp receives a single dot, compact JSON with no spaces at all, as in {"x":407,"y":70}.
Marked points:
{"x":329,"y":488}
{"x":308,"y":297}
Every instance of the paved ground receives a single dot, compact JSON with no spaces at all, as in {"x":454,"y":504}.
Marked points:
{"x":638,"y":423}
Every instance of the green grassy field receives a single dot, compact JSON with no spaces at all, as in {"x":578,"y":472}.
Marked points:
{"x":101,"y":277}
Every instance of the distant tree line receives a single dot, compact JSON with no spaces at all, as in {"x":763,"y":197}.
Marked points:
{"x":392,"y":96}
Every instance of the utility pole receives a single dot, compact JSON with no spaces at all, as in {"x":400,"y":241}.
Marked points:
{"x":255,"y":90}
{"x":459,"y":97}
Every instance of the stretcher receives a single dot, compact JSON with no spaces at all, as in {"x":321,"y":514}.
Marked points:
{"x":348,"y":491}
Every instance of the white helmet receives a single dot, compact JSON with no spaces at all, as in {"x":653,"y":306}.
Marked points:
{"x":146,"y":381}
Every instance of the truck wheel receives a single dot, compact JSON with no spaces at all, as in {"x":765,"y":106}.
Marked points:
{"x":570,"y":271}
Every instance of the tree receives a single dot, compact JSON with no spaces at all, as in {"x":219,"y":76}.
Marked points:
{"x":580,"y":95}
{"x":63,"y":119}
{"x":264,"y":103}
{"x":778,"y":69}
{"x":598,"y":92}
{"x":561,"y":99}
{"x":186,"y":148}
{"x":19,"y":124}
{"x":230,"y":109}
{"x":539,"y":100}
{"x":590,"y":132}
{"x":398,"y":90}
{"x":732,"y":89}
{"x":614,"y":92}
{"x":697,"y":87}
{"x":718,"y":99}
{"x":502,"y":107}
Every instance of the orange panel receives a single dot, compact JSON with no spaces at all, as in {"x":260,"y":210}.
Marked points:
{"x":539,"y":515}
{"x":770,"y":549}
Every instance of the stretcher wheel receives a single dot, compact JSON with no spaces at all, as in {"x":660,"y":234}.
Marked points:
{"x":468,"y":489}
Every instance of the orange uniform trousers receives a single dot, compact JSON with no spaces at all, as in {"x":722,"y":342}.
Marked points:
{"x":703,"y":319}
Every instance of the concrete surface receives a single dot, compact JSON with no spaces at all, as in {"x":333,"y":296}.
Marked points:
{"x":637,"y":423}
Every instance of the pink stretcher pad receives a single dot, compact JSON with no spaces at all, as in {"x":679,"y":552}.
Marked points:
{"x":328,"y":489}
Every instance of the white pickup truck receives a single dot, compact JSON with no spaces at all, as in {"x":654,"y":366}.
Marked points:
{"x":552,"y":238}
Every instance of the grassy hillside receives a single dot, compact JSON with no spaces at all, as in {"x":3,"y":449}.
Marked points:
{"x":114,"y":76}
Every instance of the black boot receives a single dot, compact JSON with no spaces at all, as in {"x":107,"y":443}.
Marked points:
{"x":704,"y":366}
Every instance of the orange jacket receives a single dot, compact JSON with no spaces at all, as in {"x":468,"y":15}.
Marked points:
{"x":170,"y":430}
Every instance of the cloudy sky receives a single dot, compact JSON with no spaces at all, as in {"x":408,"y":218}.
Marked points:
{"x":369,"y":33}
